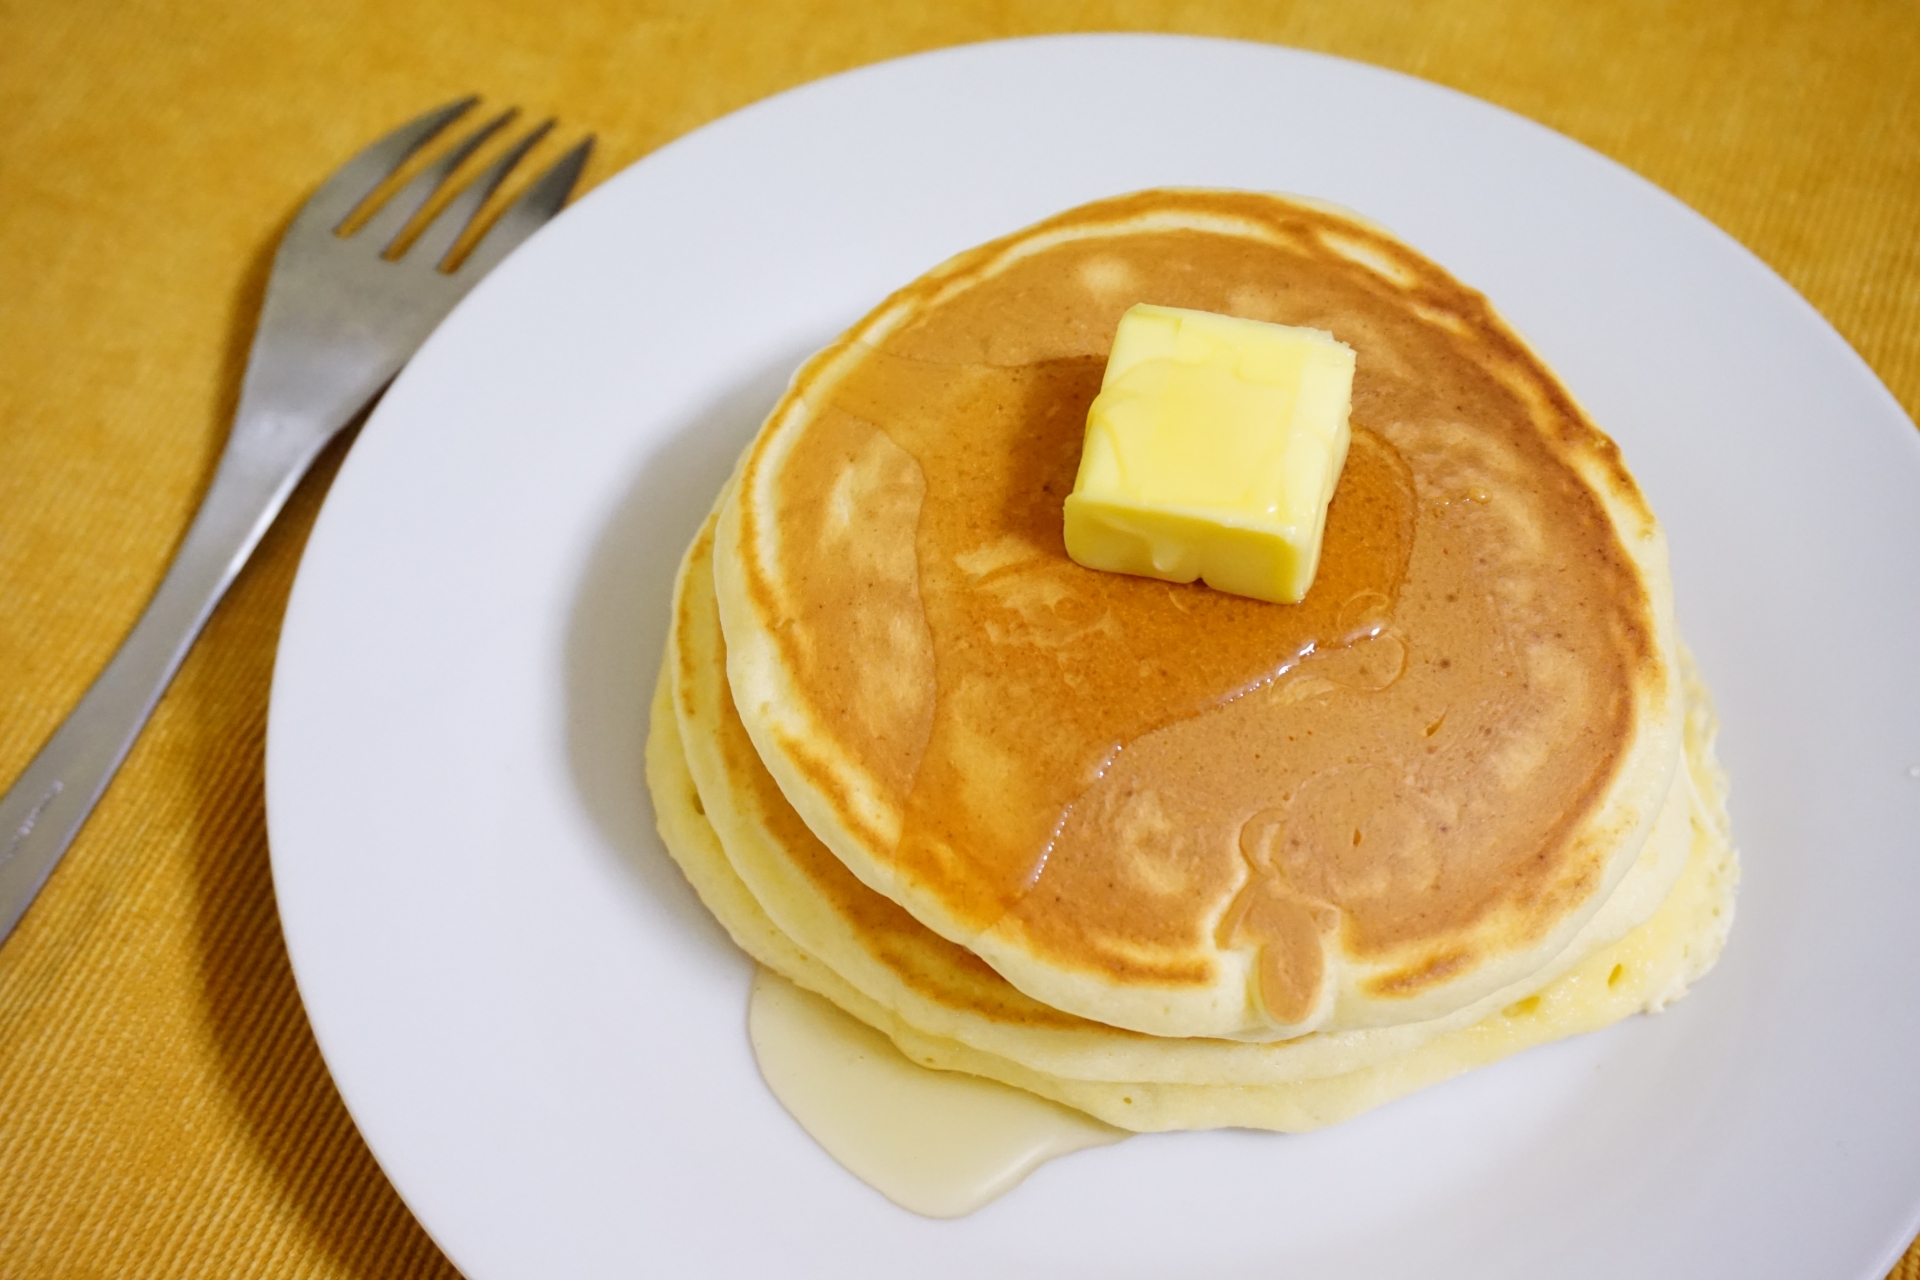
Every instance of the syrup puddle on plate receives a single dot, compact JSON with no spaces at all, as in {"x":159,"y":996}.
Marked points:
{"x":938,"y":1143}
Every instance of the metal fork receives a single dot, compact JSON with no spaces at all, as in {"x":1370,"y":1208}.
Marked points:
{"x":341,"y":316}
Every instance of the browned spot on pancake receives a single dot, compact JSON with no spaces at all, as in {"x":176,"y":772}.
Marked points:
{"x":1406,"y":982}
{"x":1078,"y":755}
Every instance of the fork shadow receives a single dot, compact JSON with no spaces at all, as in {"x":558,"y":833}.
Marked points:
{"x":291,"y":1113}
{"x":287,"y":1108}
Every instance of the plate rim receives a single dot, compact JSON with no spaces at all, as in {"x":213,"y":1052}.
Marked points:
{"x":893,"y":66}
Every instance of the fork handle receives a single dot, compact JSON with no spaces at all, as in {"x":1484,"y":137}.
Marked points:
{"x":45,"y":807}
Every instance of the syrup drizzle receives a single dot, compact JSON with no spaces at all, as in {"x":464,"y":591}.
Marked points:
{"x":937,"y":1143}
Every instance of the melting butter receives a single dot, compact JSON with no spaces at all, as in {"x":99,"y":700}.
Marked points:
{"x":1212,"y":452}
{"x":939,"y":1143}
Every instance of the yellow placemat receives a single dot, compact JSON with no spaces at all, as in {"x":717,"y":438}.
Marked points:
{"x":163,"y":1108}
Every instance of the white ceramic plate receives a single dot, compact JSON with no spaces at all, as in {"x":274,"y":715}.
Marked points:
{"x":541,"y":1033}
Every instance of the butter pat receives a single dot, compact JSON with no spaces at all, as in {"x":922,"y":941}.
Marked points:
{"x":1212,"y":451}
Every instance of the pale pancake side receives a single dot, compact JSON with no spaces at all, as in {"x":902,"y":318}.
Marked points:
{"x":940,"y":989}
{"x":943,"y":991}
{"x":1483,"y":675}
{"x":1649,"y":968}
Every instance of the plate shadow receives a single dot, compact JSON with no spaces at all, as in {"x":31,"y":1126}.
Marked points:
{"x":617,"y":630}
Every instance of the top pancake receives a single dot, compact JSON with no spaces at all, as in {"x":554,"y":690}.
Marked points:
{"x":1157,"y":805}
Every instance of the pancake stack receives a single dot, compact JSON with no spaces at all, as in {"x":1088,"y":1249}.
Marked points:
{"x":1177,"y":858}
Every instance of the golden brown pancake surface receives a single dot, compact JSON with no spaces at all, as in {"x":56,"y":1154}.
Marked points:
{"x":941,"y":990}
{"x":1647,"y":969}
{"x":1166,"y":807}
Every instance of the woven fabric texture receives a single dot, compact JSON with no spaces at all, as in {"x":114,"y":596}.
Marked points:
{"x":163,"y":1108}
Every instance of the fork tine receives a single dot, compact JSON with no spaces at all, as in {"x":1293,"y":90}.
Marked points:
{"x":354,"y":181}
{"x":546,"y":197}
{"x":385,"y":226}
{"x":447,"y":226}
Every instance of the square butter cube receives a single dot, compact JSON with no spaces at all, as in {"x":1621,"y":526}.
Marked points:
{"x":1212,"y":451}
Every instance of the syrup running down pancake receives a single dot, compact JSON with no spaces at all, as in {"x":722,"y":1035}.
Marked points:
{"x":793,"y":906}
{"x":1165,"y":809}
